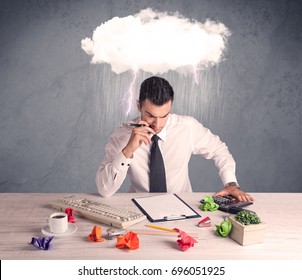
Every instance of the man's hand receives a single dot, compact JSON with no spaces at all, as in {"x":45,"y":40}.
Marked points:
{"x":236,"y":192}
{"x":138,"y":136}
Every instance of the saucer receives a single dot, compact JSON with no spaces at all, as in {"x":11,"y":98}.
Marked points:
{"x":71,"y":229}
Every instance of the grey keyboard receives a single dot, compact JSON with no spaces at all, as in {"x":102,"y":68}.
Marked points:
{"x":98,"y":212}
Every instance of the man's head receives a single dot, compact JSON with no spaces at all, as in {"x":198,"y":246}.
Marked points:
{"x":155,"y":101}
{"x":157,"y":90}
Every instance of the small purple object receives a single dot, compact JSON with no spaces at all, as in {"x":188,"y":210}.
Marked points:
{"x":41,"y":242}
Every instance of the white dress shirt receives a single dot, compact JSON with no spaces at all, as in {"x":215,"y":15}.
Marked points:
{"x":181,"y":137}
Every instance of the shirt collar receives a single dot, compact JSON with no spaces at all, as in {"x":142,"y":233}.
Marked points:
{"x":163,"y":133}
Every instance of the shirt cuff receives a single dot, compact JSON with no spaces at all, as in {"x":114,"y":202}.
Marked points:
{"x":121,"y":163}
{"x":228,"y":177}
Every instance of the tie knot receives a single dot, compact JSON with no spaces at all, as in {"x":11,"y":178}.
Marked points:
{"x":155,"y":138}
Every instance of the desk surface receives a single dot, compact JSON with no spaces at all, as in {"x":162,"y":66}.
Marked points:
{"x":22,"y":216}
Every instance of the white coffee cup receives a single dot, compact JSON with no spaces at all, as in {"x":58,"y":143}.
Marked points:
{"x":58,"y":222}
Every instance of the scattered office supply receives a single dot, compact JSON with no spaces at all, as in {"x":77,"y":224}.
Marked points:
{"x":166,"y":231}
{"x":185,"y":241}
{"x":206,"y":222}
{"x":161,"y":228}
{"x":129,"y":241}
{"x":99,"y":212}
{"x":155,"y":232}
{"x":224,"y":228}
{"x":229,"y":204}
{"x":113,"y":232}
{"x":42,"y":243}
{"x":208,"y":204}
{"x":132,"y":124}
{"x":96,"y":234}
{"x":167,"y":207}
{"x":70,"y":214}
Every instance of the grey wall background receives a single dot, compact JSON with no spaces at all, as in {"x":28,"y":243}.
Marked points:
{"x":57,"y":110}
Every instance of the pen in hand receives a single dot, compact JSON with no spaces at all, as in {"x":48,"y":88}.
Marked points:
{"x":134,"y":124}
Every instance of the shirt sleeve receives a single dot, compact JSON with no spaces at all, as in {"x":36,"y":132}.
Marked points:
{"x":210,"y":146}
{"x":114,"y":167}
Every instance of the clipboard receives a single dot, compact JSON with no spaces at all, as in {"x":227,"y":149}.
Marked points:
{"x":167,"y":207}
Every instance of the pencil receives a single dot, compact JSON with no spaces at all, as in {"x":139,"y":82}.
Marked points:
{"x":192,"y":234}
{"x":154,"y":232}
{"x":160,"y":228}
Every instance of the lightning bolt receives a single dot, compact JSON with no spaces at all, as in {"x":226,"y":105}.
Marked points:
{"x":196,"y":76}
{"x":128,"y":96}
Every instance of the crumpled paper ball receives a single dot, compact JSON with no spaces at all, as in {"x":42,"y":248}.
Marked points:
{"x":224,"y":228}
{"x":41,"y":242}
{"x":70,"y":215}
{"x":96,"y":234}
{"x":208,"y":204}
{"x":129,"y":241}
{"x":185,"y":241}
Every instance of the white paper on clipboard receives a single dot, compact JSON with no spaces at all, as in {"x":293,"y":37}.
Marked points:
{"x":165,"y":207}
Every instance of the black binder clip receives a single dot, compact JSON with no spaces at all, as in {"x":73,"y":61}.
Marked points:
{"x":174,"y":217}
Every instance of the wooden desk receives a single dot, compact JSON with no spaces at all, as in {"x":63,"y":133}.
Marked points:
{"x":23,"y":216}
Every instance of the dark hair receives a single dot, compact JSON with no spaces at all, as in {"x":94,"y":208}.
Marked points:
{"x":157,"y":90}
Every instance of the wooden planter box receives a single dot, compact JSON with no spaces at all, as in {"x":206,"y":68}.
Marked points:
{"x":247,"y":234}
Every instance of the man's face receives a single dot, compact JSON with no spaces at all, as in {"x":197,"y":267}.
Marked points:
{"x":155,"y":116}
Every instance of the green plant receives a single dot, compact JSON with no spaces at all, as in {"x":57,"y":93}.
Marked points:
{"x":247,"y":218}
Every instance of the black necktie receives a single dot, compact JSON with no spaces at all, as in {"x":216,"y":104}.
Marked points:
{"x":157,"y":168}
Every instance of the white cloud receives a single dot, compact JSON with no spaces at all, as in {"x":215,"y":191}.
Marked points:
{"x":156,"y":42}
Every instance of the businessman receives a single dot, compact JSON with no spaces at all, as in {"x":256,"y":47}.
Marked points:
{"x":154,"y":150}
